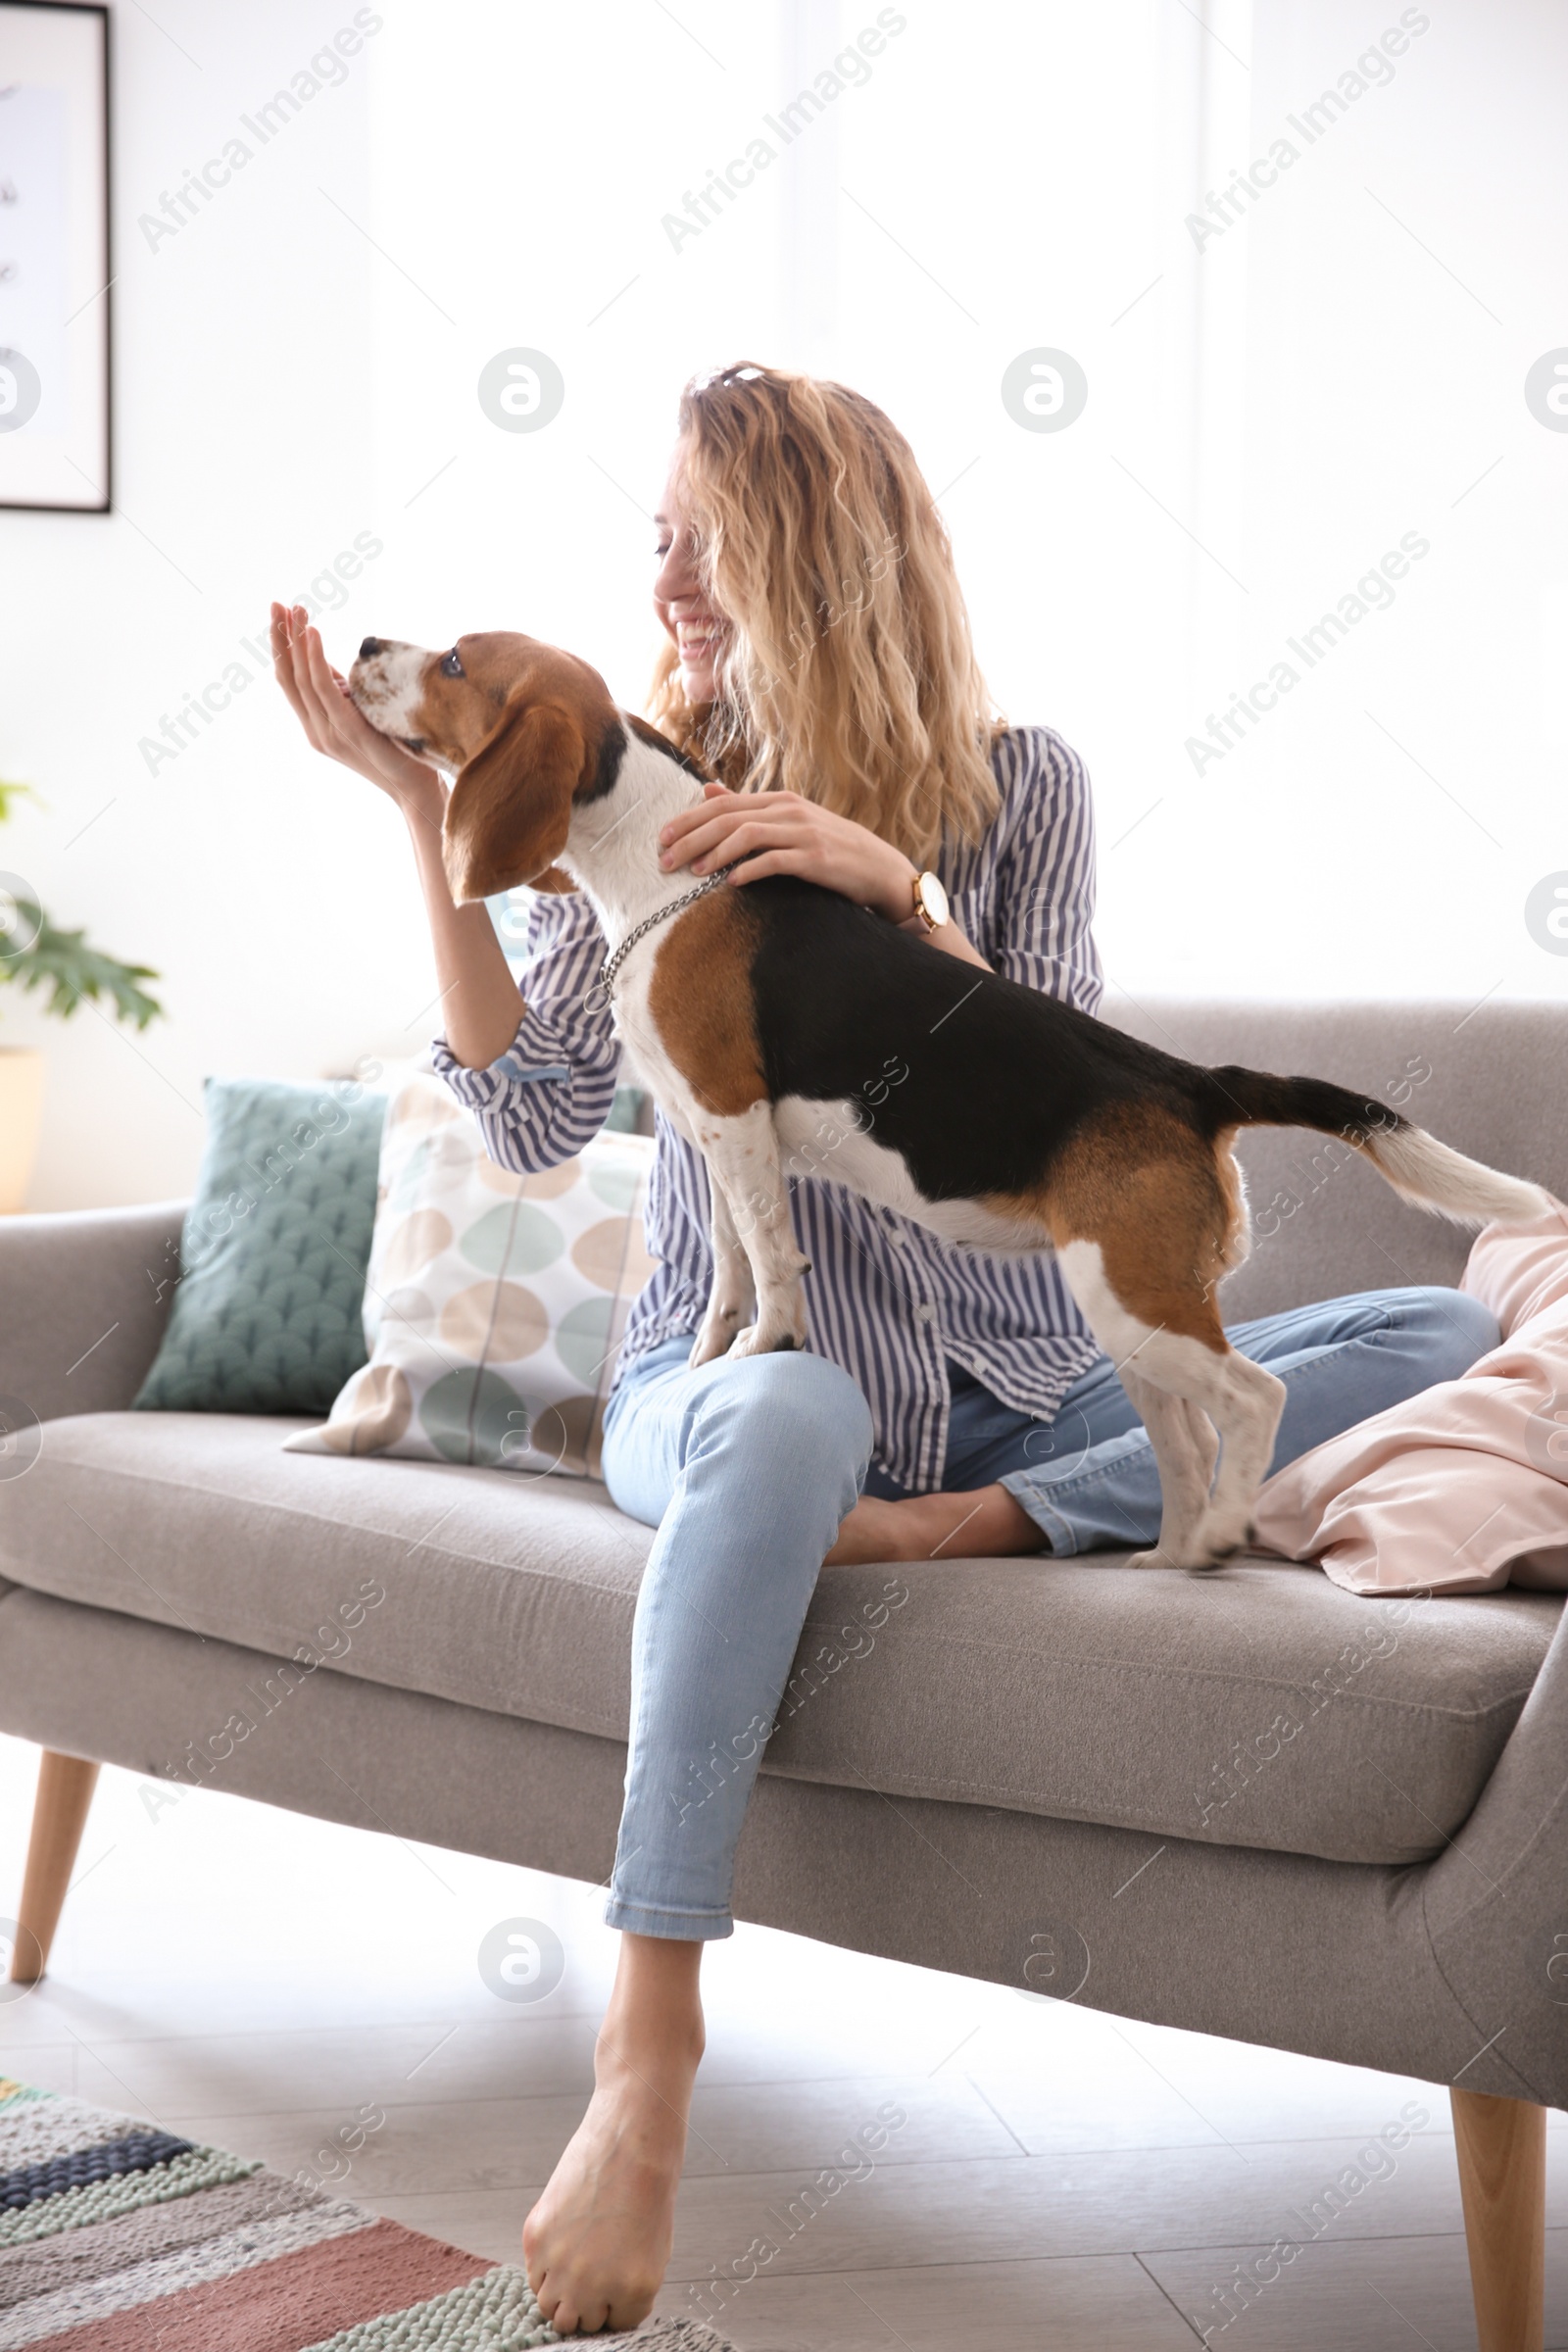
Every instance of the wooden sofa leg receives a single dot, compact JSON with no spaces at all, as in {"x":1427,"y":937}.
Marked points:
{"x":59,"y":1816}
{"x":1501,"y":2145}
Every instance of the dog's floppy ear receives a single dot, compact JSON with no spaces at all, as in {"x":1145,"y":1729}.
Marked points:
{"x":506,"y":818}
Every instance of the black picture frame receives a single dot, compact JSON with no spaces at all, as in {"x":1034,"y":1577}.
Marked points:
{"x":57,"y":269}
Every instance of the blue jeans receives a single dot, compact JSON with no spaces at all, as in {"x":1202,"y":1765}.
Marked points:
{"x":747,"y":1469}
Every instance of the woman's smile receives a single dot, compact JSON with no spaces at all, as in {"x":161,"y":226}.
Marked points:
{"x":681,"y":602}
{"x":698,"y":644}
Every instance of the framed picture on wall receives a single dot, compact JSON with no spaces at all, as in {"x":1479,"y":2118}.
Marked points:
{"x":55,"y":269}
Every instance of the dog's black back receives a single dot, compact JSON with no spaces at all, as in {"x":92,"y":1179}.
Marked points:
{"x":996,"y":1078}
{"x":976,"y":1080}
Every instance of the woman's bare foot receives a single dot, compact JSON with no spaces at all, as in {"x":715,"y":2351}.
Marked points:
{"x":982,"y":1522}
{"x":598,"y":2242}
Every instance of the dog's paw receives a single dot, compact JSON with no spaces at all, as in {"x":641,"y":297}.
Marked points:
{"x":1216,"y":1554}
{"x":1219,"y":1537}
{"x":715,"y":1334}
{"x":708,"y":1345}
{"x":1201,"y":1555}
{"x":776,"y":1334}
{"x":758,"y":1339}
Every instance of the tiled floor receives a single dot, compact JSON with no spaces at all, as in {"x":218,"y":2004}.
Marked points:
{"x":1057,"y":2177}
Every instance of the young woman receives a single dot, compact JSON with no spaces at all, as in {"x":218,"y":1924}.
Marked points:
{"x":947,"y":1404}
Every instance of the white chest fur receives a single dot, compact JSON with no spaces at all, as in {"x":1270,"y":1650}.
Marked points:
{"x":612,"y":852}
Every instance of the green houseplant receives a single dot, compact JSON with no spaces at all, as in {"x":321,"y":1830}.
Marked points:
{"x":36,"y":954}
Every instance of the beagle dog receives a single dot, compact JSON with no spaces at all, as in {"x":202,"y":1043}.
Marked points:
{"x":1023,"y":1124}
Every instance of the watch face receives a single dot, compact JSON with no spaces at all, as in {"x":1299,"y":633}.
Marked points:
{"x":933,"y":898}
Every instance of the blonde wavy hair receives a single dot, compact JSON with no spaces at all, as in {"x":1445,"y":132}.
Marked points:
{"x":848,"y":675}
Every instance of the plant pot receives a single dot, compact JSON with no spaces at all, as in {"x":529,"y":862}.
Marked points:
{"x":21,"y":1116}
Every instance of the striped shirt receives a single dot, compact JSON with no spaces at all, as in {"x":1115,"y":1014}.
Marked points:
{"x":885,"y":1298}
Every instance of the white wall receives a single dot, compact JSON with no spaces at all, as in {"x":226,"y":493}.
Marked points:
{"x":1299,"y":394}
{"x":1380,"y":832}
{"x":259,"y":885}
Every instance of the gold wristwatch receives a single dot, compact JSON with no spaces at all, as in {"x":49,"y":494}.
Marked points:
{"x":930,"y":901}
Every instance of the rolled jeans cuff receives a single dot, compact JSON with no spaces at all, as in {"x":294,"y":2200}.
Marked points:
{"x":682,"y":1927}
{"x":1112,"y":1498}
{"x":1025,"y":1489}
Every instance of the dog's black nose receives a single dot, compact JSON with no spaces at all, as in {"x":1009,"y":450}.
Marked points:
{"x":370,"y":645}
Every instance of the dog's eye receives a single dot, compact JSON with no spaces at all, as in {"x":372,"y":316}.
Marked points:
{"x":452,"y":667}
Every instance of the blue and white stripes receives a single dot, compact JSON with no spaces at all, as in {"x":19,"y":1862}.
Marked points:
{"x":886,"y":1300}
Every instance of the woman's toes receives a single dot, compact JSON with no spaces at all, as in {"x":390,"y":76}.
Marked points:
{"x":561,"y":2313}
{"x":597,"y":2243}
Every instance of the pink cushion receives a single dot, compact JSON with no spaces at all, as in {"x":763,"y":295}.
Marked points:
{"x":1464,"y":1488}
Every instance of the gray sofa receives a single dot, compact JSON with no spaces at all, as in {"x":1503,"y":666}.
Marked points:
{"x":1254,"y":1805}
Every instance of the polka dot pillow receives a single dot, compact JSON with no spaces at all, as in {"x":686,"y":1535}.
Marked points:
{"x":494,"y":1303}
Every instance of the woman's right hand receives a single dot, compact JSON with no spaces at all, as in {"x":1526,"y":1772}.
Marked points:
{"x":334,"y":724}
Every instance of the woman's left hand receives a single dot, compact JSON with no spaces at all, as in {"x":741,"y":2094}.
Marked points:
{"x":780,"y":833}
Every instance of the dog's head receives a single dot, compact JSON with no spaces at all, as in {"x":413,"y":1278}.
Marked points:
{"x":526,"y":729}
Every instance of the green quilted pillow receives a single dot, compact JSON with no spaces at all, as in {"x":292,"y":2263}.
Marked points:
{"x":267,"y":1316}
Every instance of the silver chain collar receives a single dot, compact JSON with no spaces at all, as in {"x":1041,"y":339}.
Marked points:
{"x":612,"y":964}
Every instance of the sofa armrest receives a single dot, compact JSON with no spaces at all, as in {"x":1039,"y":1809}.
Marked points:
{"x":1496,"y":1901}
{"x":85,"y":1295}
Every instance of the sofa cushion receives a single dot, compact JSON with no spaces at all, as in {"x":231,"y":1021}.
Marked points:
{"x":1261,"y":1707}
{"x":1485,"y":1454}
{"x":267,"y":1317}
{"x":494,"y":1302}
{"x":509,"y":1594}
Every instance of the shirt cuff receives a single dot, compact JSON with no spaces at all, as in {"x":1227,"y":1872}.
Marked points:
{"x":532,"y":1055}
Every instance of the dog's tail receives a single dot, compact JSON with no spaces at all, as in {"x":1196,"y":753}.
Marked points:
{"x":1415,"y":1163}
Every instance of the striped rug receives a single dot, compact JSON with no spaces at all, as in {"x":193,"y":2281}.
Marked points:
{"x":116,"y":2237}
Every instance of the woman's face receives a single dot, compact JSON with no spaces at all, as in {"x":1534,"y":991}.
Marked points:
{"x":680,"y":601}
